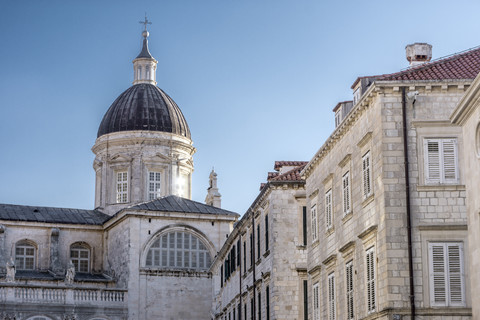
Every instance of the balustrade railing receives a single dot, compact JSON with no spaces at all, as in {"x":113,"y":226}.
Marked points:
{"x":62,"y":295}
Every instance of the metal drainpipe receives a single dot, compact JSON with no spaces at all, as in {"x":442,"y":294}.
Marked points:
{"x":407,"y":194}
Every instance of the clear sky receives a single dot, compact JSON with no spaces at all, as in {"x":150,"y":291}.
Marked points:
{"x":256,"y":80}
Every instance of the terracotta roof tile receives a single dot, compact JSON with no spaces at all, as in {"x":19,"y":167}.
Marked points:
{"x":272,"y":175}
{"x":279,"y":164}
{"x":463,"y":65}
{"x":292,"y":175}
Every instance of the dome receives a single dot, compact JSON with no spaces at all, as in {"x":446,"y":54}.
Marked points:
{"x":144,"y":106}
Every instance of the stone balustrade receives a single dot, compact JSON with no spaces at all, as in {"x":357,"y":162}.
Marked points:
{"x":62,"y":295}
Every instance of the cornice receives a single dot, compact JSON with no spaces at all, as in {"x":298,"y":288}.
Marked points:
{"x":467,"y":104}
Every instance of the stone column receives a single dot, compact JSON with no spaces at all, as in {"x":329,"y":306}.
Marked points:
{"x":55,"y":264}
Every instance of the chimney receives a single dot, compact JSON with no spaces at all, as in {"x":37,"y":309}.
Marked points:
{"x":418,"y":53}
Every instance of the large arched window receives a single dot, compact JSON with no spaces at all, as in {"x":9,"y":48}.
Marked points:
{"x":80,"y":257}
{"x":178,"y":250}
{"x":25,"y":255}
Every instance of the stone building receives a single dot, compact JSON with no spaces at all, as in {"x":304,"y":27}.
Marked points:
{"x":386,"y":197}
{"x":145,"y":250}
{"x":467,"y":114}
{"x":260,"y":272}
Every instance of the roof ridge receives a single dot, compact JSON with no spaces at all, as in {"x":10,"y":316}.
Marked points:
{"x":297,"y":168}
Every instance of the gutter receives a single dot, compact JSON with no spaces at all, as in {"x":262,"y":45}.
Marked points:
{"x":407,"y":195}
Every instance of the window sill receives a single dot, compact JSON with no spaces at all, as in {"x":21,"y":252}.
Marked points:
{"x":315,"y":243}
{"x":258,"y":261}
{"x":266,"y":253}
{"x":367,"y":200}
{"x":347,"y":217}
{"x":330,"y":231}
{"x":442,"y":187}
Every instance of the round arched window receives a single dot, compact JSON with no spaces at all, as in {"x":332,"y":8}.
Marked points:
{"x":178,"y":250}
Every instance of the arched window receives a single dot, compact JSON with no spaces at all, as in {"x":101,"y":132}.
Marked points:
{"x":178,"y":250}
{"x":38,"y":318}
{"x":25,"y":255}
{"x":80,"y":257}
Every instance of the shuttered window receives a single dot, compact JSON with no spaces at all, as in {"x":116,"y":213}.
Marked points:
{"x":331,"y":296}
{"x":347,"y":204}
{"x":316,"y":302}
{"x":441,"y":161}
{"x":447,"y":278}
{"x":371,"y":279}
{"x":349,"y":291}
{"x":328,"y":209}
{"x":313,"y":212}
{"x":366,"y":175}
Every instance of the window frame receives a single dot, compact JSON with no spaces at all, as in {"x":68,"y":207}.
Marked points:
{"x":314,"y":222}
{"x":371,"y":280}
{"x":346,"y":194}
{"x":440,"y":159}
{"x":122,"y":196}
{"x":316,"y":301}
{"x":367,"y":187}
{"x":25,"y":244}
{"x":349,"y":290}
{"x":157,"y":184}
{"x":331,"y":296}
{"x":77,"y":260}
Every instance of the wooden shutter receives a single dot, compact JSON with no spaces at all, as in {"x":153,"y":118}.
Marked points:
{"x":314,"y":222}
{"x":346,"y":193}
{"x":316,"y":302}
{"x":349,"y":285}
{"x":367,"y":183}
{"x":441,"y":161}
{"x":370,"y":266}
{"x":447,"y":279}
{"x":331,"y":296}
{"x":328,"y":209}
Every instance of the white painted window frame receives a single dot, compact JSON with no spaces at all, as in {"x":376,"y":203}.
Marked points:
{"x":441,"y":160}
{"x":314,"y":222}
{"x":77,"y":258}
{"x":121,"y":186}
{"x":332,"y":311}
{"x":349,"y":290}
{"x":346,"y":194}
{"x":154,"y":185}
{"x":328,"y":209}
{"x":316,"y":301}
{"x":371,"y":279}
{"x":22,"y":258}
{"x":367,"y":175}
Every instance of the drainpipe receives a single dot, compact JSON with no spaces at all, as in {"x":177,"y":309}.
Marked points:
{"x":407,"y":194}
{"x":240,"y":276}
{"x":253,"y":264}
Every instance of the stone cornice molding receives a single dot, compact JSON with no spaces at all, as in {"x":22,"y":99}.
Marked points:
{"x":467,"y":104}
{"x":438,"y":123}
{"x":316,"y":269}
{"x":347,"y":247}
{"x":443,"y":227}
{"x":330,"y":259}
{"x":366,"y":139}
{"x":367,"y":233}
{"x":345,"y":160}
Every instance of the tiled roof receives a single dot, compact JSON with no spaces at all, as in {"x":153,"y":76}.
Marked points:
{"x":464,"y":65}
{"x":178,"y":204}
{"x":280,"y":164}
{"x":272,"y":175}
{"x":292,"y":175}
{"x":51,"y":215}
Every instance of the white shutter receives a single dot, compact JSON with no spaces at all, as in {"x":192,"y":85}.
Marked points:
{"x":346,"y":193}
{"x":328,"y":209}
{"x":447,"y":279}
{"x":370,"y":264}
{"x":313,"y":212}
{"x":316,"y":303}
{"x":331,"y":296}
{"x":455,"y":274}
{"x":367,"y":183}
{"x":349,"y":285}
{"x":441,"y":161}
{"x":438,"y":289}
{"x":450,"y":167}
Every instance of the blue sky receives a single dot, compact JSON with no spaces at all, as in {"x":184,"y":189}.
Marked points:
{"x":256,"y":80}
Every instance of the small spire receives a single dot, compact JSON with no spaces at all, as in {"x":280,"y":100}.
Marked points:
{"x":145,"y":65}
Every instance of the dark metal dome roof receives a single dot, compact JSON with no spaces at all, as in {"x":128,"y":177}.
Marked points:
{"x":144,"y":107}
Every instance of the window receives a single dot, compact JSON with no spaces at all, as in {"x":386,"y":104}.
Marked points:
{"x":367,"y":175}
{"x":347,"y":203}
{"x":267,"y":303}
{"x":239,"y":310}
{"x":238,"y":253}
{"x":349,"y":291}
{"x":441,"y":161}
{"x":313,"y":213}
{"x":370,"y":267}
{"x":154,"y":183}
{"x":328,"y":209}
{"x":447,"y":279}
{"x":259,"y":307}
{"x":338,"y":117}
{"x":252,"y":308}
{"x":304,"y":225}
{"x":252,"y":247}
{"x":266,"y":232}
{"x":24,"y":256}
{"x":80,"y":257}
{"x":178,"y":250}
{"x":331,"y":296}
{"x":122,"y":187}
{"x":244,"y":256}
{"x":258,"y":241}
{"x":356,"y":96}
{"x":316,"y":302}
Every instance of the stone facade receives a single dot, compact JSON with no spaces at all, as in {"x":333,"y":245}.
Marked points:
{"x":467,"y":114}
{"x":377,"y":223}
{"x":266,"y":279}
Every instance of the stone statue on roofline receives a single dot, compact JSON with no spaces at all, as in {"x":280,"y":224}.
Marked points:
{"x":11,"y":270}
{"x":70,"y":274}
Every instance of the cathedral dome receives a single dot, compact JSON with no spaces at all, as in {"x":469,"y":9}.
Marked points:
{"x":144,"y":106}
